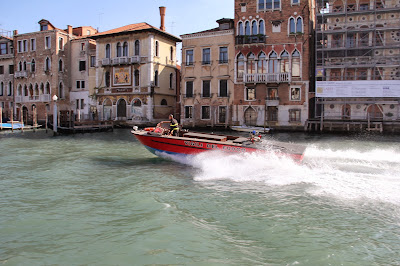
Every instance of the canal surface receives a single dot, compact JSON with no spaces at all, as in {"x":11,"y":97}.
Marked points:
{"x":103,"y":199}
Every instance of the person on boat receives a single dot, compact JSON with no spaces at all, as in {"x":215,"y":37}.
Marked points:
{"x":173,"y":126}
{"x":254,"y":137}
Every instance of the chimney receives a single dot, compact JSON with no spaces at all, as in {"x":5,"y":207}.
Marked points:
{"x":69,"y":29}
{"x":162,"y":14}
{"x":15,"y":32}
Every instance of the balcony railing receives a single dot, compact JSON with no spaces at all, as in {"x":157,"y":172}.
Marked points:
{"x":124,"y":60}
{"x":137,"y":59}
{"x":120,"y":60}
{"x":45,"y":98}
{"x":249,"y":39}
{"x":268,"y":77}
{"x":21,"y":74}
{"x":106,"y":62}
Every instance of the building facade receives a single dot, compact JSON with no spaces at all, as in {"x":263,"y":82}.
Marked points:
{"x":273,"y":42}
{"x":207,"y":76}
{"x":136,"y":78}
{"x":6,"y":75}
{"x":358,"y":64}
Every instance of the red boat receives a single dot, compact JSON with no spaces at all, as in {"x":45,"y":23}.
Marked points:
{"x":157,"y":141}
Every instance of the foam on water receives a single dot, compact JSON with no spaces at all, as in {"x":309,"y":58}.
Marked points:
{"x":346,"y":174}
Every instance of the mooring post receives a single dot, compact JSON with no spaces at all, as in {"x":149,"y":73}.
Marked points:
{"x":22,"y":120}
{"x":1,"y":118}
{"x":55,"y":120}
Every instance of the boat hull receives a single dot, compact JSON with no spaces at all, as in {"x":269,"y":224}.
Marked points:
{"x":159,"y":144}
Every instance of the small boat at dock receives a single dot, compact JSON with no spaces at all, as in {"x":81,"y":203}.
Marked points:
{"x":159,"y":142}
{"x":251,"y":129}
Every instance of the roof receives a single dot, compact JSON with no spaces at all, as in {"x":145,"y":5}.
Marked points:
{"x":131,"y":28}
{"x":5,"y":37}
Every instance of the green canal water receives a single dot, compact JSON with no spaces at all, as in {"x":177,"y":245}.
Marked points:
{"x":103,"y":199}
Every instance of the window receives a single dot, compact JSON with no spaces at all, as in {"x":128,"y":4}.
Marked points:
{"x":47,"y":42}
{"x":262,"y":63}
{"x":125,"y":49}
{"x":294,"y":115}
{"x":285,"y":62}
{"x":60,"y":43}
{"x":93,"y":61}
{"x":247,"y":28}
{"x":269,"y":4}
{"x":137,"y":47}
{"x":11,"y":69}
{"x":240,"y":67}
{"x":250,"y":94}
{"x":206,"y":89}
{"x":171,"y":81}
{"x":3,"y":48}
{"x":43,"y":27}
{"x":295,"y":25}
{"x":189,"y":89}
{"x":1,"y":88}
{"x":60,"y":65}
{"x":164,"y":102}
{"x":80,"y":84}
{"x":137,"y":77}
{"x":1,"y":70}
{"x":47,"y":88}
{"x":295,"y":2}
{"x":108,"y":51}
{"x":299,"y":25}
{"x":188,"y":111}
{"x":296,"y":64}
{"x":157,"y":49}
{"x":251,"y":64}
{"x":61,"y":90}
{"x":292,"y":26}
{"x":33,"y":65}
{"x":82,"y":65}
{"x":205,"y":112}
{"x":295,"y":94}
{"x":222,"y":114}
{"x":171,"y":53}
{"x":223,"y":88}
{"x":24,"y":66}
{"x":240,"y":28}
{"x":10,"y":89}
{"x":261,"y":27}
{"x":273,"y":65}
{"x":19,"y":46}
{"x":156,"y":78}
{"x":47,"y":65}
{"x":223,"y":55}
{"x":254,"y":28}
{"x":25,"y":42}
{"x":119,"y":50}
{"x":33,"y":44}
{"x":206,"y":56}
{"x":189,"y":57}
{"x":107,"y":79}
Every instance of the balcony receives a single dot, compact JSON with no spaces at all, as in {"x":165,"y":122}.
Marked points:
{"x":120,"y":61}
{"x":250,"y":39}
{"x":138,"y":59}
{"x":45,"y":98}
{"x":21,"y":74}
{"x":105,"y":62}
{"x":267,"y":78}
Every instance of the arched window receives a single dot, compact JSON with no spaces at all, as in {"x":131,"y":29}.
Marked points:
{"x":10,"y":89}
{"x":20,"y":66}
{"x":19,"y":91}
{"x":247,"y":28}
{"x":171,"y":81}
{"x":137,"y":47}
{"x":47,"y":88}
{"x":30,"y":90}
{"x":25,"y":90}
{"x":240,"y":67}
{"x":24,"y":65}
{"x":137,"y":103}
{"x":262,"y":63}
{"x":285,"y":62}
{"x":137,"y":77}
{"x":240,"y":28}
{"x":292,"y":26}
{"x":157,"y":48}
{"x":41,"y":88}
{"x":156,"y":78}
{"x":299,"y":25}
{"x":125,"y":49}
{"x":296,"y":64}
{"x":251,"y":64}
{"x":164,"y":102}
{"x":61,"y":90}
{"x":36,"y":91}
{"x":254,"y":27}
{"x":33,"y":65}
{"x":60,"y":65}
{"x":119,"y":49}
{"x":108,"y":50}
{"x":273,"y":66}
{"x":107,"y":78}
{"x":261,"y":27}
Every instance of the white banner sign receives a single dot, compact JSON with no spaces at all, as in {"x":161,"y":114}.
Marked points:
{"x":358,"y":88}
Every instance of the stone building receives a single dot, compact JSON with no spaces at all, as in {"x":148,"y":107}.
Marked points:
{"x":357,"y":65}
{"x":207,"y":76}
{"x":43,"y":69}
{"x":6,"y":75}
{"x":273,"y":42}
{"x":137,"y":73}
